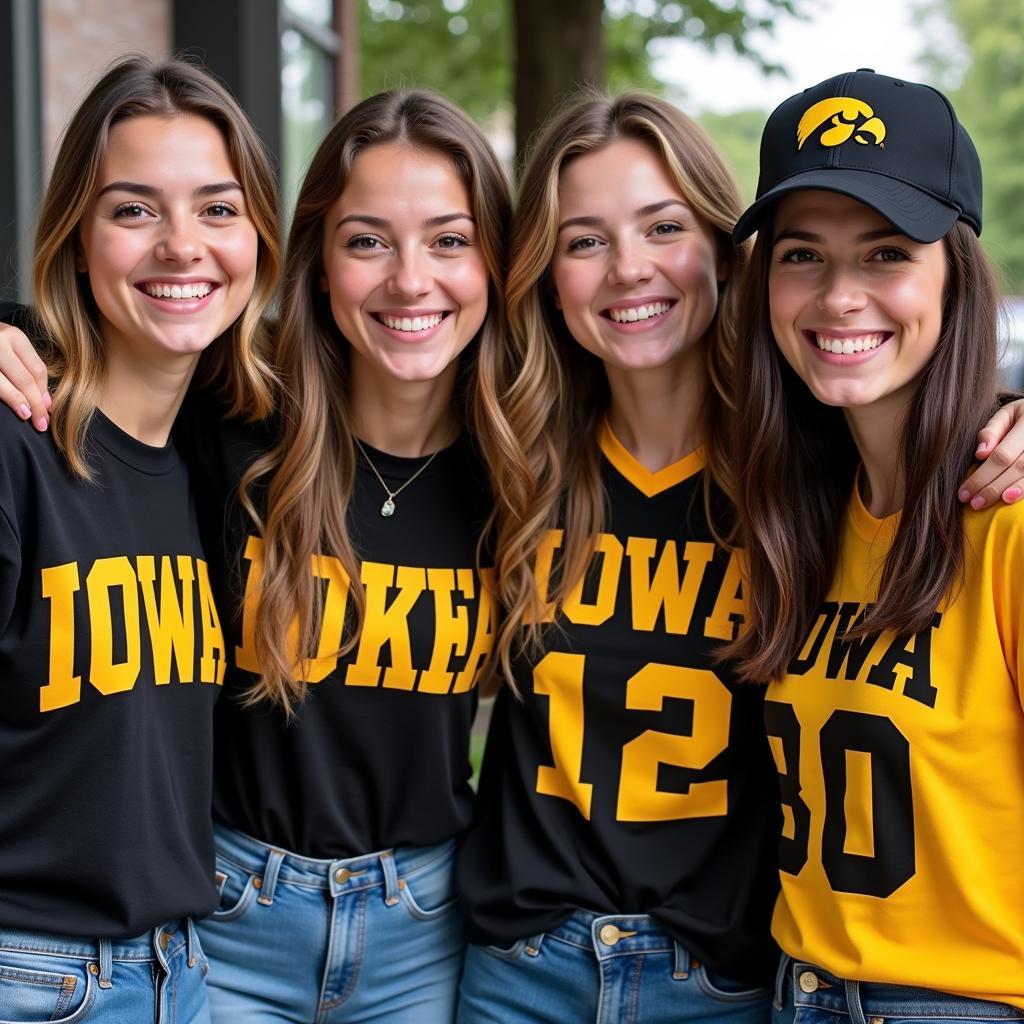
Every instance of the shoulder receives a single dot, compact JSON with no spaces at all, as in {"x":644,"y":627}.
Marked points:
{"x":998,"y":532}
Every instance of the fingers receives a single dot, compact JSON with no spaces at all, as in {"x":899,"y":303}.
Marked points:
{"x":1001,"y":475}
{"x":23,"y":379}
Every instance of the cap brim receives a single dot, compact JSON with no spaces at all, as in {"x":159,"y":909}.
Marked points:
{"x":915,"y":213}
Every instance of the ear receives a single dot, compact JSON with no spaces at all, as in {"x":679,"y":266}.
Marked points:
{"x":324,"y":286}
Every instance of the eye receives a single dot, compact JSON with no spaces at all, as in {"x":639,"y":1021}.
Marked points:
{"x":364,"y":243}
{"x":889,"y":255}
{"x":220,"y":210}
{"x":666,"y":227}
{"x":582,"y":244}
{"x":452,"y":241}
{"x":130,"y":211}
{"x":799,"y":256}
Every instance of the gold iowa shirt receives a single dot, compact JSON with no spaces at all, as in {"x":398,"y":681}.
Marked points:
{"x":901,"y":763}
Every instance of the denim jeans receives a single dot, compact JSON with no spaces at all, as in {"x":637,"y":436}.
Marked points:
{"x":372,"y":938}
{"x":156,"y":978}
{"x":806,"y":994}
{"x":601,"y":969}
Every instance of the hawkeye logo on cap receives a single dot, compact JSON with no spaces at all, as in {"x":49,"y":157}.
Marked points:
{"x":843,"y":116}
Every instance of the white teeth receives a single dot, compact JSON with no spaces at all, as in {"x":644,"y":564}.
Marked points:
{"x":416,"y":323}
{"x":178,"y":291}
{"x":849,"y":346}
{"x":634,"y":313}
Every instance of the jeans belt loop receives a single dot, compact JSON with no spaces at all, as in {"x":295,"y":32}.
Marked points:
{"x":106,"y":964}
{"x":681,"y":968}
{"x":191,"y":941}
{"x":273,"y":869}
{"x":391,"y":884}
{"x":853,"y":1002}
{"x":780,"y":980}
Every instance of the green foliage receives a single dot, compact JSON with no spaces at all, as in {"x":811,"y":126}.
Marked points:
{"x":738,"y":136}
{"x":984,"y":72}
{"x":464,"y":48}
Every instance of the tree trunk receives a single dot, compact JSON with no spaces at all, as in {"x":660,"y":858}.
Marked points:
{"x":559,"y":47}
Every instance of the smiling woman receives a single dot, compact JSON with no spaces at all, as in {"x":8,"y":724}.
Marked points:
{"x":110,"y":641}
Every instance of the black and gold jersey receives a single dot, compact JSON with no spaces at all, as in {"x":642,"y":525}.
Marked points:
{"x":634,"y":776}
{"x":111,"y":660}
{"x":901,"y":765}
{"x":377,"y":756}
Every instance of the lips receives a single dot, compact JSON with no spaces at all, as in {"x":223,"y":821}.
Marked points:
{"x":637,"y":312}
{"x":847,"y":342}
{"x":411,"y":322}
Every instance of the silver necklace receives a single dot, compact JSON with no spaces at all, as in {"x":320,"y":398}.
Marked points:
{"x":387,"y":510}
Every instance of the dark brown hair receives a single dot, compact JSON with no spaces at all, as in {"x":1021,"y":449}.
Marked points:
{"x":309,"y":473}
{"x":797,"y":463}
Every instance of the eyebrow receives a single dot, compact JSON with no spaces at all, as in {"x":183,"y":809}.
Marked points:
{"x":644,"y":211}
{"x":138,"y":189}
{"x":809,"y":236}
{"x":381,"y":222}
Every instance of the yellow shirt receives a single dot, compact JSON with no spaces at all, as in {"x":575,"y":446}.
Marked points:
{"x":901,"y":762}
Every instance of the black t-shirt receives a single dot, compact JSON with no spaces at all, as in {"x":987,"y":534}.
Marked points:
{"x":378,"y":754}
{"x":634,"y":776}
{"x":111,"y":660}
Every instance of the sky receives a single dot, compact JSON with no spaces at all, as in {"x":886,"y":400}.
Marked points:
{"x":841,"y":35}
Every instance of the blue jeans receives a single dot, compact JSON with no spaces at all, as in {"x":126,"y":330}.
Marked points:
{"x":601,"y":969}
{"x":156,"y":978}
{"x":806,"y":994}
{"x":371,"y":938}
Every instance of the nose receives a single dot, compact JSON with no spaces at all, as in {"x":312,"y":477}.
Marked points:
{"x":411,"y":273}
{"x":181,"y":240}
{"x":630,"y":264}
{"x":842,"y":292}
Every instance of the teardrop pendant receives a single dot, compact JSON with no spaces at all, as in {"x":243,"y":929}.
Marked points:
{"x":387,"y":510}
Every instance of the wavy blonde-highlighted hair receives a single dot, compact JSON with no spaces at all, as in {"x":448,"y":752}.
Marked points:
{"x":236,"y":364}
{"x":559,"y":394}
{"x":307,"y":477}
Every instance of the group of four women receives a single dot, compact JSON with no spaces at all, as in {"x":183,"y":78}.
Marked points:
{"x":595,"y":452}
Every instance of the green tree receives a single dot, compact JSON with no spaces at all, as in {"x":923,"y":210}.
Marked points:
{"x":499,"y":55}
{"x":738,"y":136}
{"x":983,"y":69}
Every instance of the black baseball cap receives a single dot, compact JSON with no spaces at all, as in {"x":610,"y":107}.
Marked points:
{"x":895,"y":146}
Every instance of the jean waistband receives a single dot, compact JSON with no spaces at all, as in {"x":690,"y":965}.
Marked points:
{"x":159,"y":944}
{"x":344,"y":874}
{"x":614,"y":935}
{"x":814,"y":986}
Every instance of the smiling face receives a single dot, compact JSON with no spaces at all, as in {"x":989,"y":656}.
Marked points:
{"x":856,"y":307}
{"x":406,"y":276}
{"x":635,"y":271}
{"x":167,"y":244}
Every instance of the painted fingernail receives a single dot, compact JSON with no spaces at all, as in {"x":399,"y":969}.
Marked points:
{"x":42,"y":423}
{"x":1012,"y":494}
{"x":964,"y":494}
{"x":47,"y":400}
{"x":24,"y":411}
{"x":977,"y":501}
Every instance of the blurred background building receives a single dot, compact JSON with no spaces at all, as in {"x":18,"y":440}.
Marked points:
{"x":295,"y":64}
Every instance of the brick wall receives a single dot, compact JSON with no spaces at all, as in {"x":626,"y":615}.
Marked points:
{"x":80,"y":38}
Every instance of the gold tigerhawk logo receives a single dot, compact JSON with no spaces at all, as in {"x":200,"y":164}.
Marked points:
{"x":841,"y":113}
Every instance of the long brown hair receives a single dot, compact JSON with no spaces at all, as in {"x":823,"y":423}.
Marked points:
{"x":797,"y":466}
{"x":308,"y":475}
{"x":560,"y":393}
{"x":236,"y":364}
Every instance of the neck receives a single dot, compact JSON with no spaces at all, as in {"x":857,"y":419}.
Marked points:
{"x":143,"y":398}
{"x":405,"y":418}
{"x":876,"y":431}
{"x":656,"y":413}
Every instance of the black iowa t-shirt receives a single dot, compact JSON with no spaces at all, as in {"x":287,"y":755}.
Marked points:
{"x":635,"y":775}
{"x":378,"y":754}
{"x":111,"y":659}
